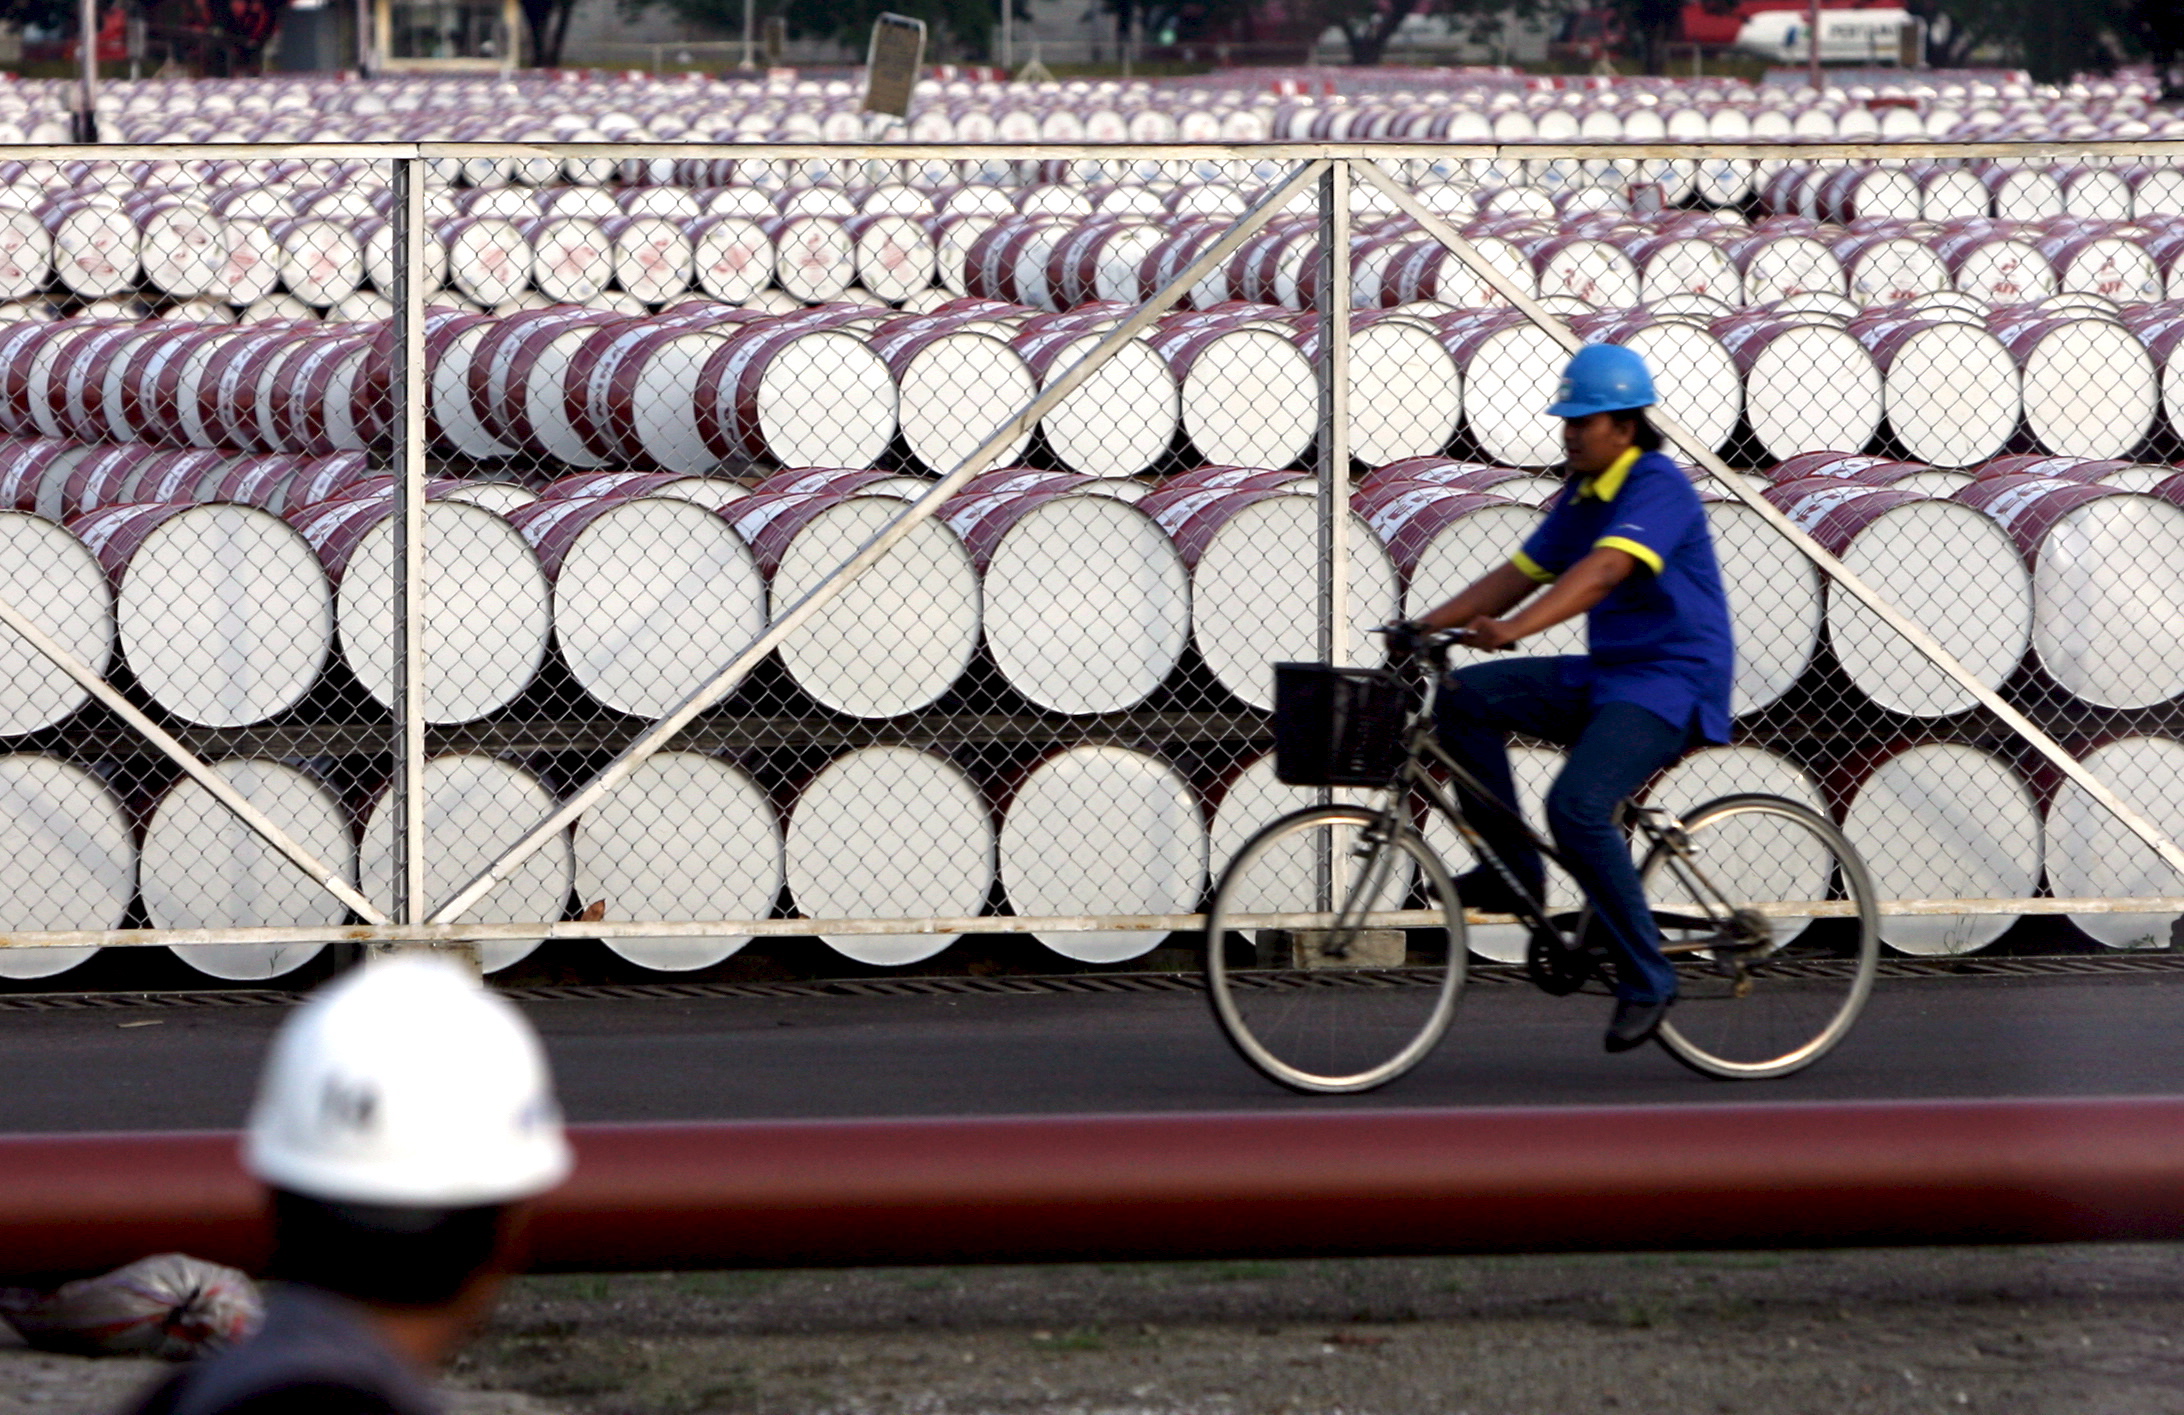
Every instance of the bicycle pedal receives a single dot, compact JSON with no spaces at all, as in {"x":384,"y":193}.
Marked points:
{"x":1555,"y":968}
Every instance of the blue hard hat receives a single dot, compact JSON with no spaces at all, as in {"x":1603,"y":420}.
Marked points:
{"x":1602,"y":378}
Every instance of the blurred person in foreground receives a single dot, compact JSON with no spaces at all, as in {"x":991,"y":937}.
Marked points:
{"x":404,"y":1117}
{"x":1626,"y":544}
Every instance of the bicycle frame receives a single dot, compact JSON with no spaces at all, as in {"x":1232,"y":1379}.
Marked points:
{"x":1661,"y":828}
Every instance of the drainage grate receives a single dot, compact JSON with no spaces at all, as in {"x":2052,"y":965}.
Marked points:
{"x":1482,"y":974}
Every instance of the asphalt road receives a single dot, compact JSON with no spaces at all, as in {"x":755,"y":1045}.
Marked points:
{"x":733,"y":1057}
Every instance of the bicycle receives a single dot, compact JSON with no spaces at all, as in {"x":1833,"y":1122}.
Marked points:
{"x":1766,"y":911}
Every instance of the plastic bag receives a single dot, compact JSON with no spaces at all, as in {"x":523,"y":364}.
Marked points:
{"x":170,"y":1305}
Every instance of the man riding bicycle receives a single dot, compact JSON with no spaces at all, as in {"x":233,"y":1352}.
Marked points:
{"x":1625,"y":543}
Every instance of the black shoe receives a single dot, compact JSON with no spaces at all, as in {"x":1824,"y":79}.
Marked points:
{"x":1485,"y":890}
{"x":1635,"y":1023}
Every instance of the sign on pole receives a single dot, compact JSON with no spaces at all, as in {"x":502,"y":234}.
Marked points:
{"x":891,"y":68}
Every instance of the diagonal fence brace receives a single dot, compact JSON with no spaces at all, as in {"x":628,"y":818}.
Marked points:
{"x":723,"y":682}
{"x":1911,"y":631}
{"x":260,"y":824}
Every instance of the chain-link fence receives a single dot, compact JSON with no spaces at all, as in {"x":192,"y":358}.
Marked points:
{"x":886,"y":545}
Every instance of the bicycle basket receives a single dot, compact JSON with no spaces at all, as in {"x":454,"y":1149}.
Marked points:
{"x":1336,"y":726}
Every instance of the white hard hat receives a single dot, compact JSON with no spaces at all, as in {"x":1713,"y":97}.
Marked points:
{"x":407,"y":1084}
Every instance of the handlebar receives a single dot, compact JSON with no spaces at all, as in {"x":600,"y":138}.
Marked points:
{"x":1407,"y":640}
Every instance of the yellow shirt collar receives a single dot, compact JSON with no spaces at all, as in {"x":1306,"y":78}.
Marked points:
{"x":1604,"y":486}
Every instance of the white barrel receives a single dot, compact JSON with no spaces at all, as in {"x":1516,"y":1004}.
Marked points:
{"x":1247,"y":393}
{"x":1981,"y":611}
{"x":641,"y":403}
{"x":1121,"y":419}
{"x":1782,"y":363}
{"x":1509,"y":366}
{"x":1099,"y":830}
{"x":1682,"y":263}
{"x":806,"y":396}
{"x":181,"y":246}
{"x":571,"y":258}
{"x":1254,"y":588}
{"x":685,"y":837}
{"x":956,"y":388}
{"x":1693,"y":372}
{"x":2114,"y":267}
{"x":894,"y":640}
{"x":1951,"y":390}
{"x":2021,"y":192}
{"x":475,"y":807}
{"x":1993,"y":266}
{"x":1086,"y":604}
{"x":2091,"y":389}
{"x":1889,"y":266}
{"x":2107,"y":581}
{"x":1780,"y":263}
{"x":1852,"y":193}
{"x":1406,"y":393}
{"x":894,"y":254}
{"x":1949,"y":193}
{"x":1442,"y":538}
{"x":485,"y":597}
{"x":650,"y":595}
{"x":222,"y":612}
{"x":1775,"y":605}
{"x":26,"y":255}
{"x":70,"y":859}
{"x":814,"y":258}
{"x":59,"y":586}
{"x":488,"y":258}
{"x":321,"y":259}
{"x":1584,"y":268}
{"x":892,"y":833}
{"x":731,"y":256}
{"x":652,"y":256}
{"x":202,"y":868}
{"x":2090,"y":855}
{"x":94,"y":251}
{"x":1946,"y":821}
{"x":515,"y":377}
{"x":450,"y":342}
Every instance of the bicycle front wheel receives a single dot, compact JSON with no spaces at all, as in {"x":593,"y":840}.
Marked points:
{"x":1335,"y":950}
{"x":1771,"y":922}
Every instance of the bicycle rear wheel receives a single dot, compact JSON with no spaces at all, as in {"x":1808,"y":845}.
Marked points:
{"x":1777,"y":989}
{"x":1335,"y":950}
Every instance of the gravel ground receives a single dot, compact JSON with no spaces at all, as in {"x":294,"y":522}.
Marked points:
{"x":2086,"y":1330}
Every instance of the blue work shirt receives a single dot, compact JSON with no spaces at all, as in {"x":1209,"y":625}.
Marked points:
{"x":1661,"y":638}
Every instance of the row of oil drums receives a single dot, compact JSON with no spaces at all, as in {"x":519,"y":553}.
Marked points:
{"x":231,"y":588}
{"x":1939,"y":379}
{"x":1426,"y":106}
{"x":319,"y":232}
{"x":896,"y":832}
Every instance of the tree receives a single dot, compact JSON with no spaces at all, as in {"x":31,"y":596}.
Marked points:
{"x":2053,"y":39}
{"x":1652,"y":23}
{"x":548,"y":22}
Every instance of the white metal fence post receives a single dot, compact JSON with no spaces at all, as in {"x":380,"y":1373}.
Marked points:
{"x":407,"y":389}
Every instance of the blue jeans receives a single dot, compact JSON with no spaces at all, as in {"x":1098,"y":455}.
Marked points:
{"x":1614,"y":748}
